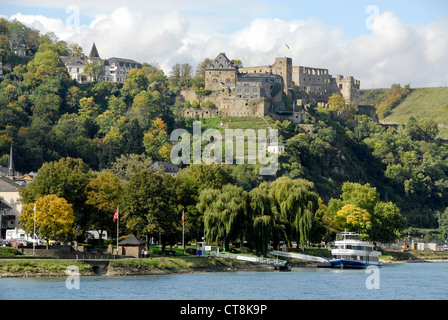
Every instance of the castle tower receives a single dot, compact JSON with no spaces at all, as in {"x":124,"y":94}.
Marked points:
{"x":348,"y":87}
{"x":283,"y":67}
{"x":221,"y":72}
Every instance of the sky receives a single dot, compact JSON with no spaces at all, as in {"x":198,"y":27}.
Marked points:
{"x":378,"y":42}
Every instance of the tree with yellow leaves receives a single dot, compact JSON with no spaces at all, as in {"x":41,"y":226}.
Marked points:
{"x":53,"y":215}
{"x":156,"y":141}
{"x":354,"y":218}
{"x":338,"y":103}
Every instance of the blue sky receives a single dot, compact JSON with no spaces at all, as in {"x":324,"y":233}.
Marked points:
{"x":379,"y":42}
{"x":350,"y":15}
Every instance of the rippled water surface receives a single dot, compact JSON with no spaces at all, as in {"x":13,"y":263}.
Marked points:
{"x":392,"y":282}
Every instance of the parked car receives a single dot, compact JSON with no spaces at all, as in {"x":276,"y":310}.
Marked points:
{"x":18,"y":242}
{"x":39,"y":242}
{"x":51,"y":242}
{"x":24,"y":242}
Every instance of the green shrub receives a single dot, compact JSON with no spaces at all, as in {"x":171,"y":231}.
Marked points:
{"x":203,"y":93}
{"x":9,"y":252}
{"x":207,"y":104}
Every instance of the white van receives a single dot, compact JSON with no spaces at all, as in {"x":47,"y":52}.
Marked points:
{"x":21,"y":234}
{"x":15,"y":234}
{"x":94,"y":234}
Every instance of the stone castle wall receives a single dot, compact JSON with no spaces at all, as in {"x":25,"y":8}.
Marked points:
{"x":318,"y":85}
{"x":247,"y":91}
{"x":282,"y":67}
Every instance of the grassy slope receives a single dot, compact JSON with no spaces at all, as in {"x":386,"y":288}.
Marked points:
{"x":424,"y":103}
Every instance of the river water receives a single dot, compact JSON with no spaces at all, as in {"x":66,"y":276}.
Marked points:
{"x":406,"y":281}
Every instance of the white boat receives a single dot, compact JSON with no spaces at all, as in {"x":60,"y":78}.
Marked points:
{"x":352,"y":252}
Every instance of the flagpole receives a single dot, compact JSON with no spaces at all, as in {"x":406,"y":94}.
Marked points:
{"x":183,"y":233}
{"x":34,"y":242}
{"x":118,"y":223}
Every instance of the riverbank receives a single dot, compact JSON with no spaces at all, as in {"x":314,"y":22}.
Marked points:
{"x":387,"y":257}
{"x":35,"y":267}
{"x":399,"y":256}
{"x":124,"y":267}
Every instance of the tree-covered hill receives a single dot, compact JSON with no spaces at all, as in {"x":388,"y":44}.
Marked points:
{"x":47,"y":117}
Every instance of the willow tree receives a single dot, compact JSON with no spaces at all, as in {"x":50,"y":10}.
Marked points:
{"x":295,"y":201}
{"x":263,"y":218}
{"x":225,"y":214}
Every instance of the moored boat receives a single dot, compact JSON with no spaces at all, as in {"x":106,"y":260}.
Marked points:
{"x":352,"y":252}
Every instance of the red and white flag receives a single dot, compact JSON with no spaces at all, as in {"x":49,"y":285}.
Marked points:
{"x":116,"y":215}
{"x":182,"y":216}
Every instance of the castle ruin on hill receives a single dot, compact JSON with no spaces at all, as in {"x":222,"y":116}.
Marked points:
{"x":280,"y":89}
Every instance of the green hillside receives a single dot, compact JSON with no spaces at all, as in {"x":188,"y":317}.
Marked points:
{"x":422,"y":104}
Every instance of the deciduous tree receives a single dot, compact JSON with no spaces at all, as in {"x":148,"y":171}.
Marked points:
{"x":54,"y":218}
{"x":103,"y":194}
{"x":66,"y":178}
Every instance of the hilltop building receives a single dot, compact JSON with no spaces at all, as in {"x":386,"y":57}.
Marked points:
{"x":114,"y":69}
{"x":165,"y":167}
{"x":280,"y":89}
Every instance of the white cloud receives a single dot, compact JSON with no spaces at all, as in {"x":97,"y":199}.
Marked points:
{"x":392,"y":51}
{"x":44,"y":24}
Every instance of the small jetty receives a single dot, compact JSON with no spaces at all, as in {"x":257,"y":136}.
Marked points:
{"x":321,"y":262}
{"x":294,"y":255}
{"x":279,"y":265}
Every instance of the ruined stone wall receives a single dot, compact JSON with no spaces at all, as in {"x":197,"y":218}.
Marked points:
{"x":245,"y":107}
{"x":201,"y":113}
{"x":348,"y":87}
{"x":312,"y":80}
{"x":319,"y":85}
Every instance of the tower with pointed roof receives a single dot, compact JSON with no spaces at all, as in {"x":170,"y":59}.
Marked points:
{"x":220,"y":72}
{"x":94,"y":52}
{"x":11,"y":164}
